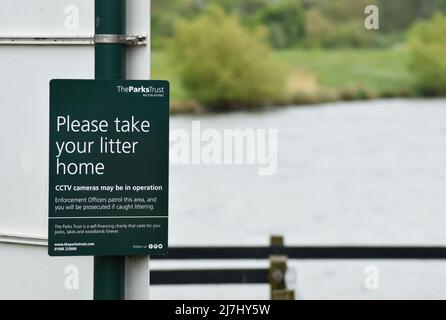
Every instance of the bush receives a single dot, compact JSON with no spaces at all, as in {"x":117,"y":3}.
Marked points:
{"x":351,"y":34}
{"x":340,"y":11}
{"x":164,"y":14}
{"x":427,"y":43}
{"x":323,"y":32}
{"x":317,"y":27}
{"x":285,"y":22}
{"x":222,"y":65}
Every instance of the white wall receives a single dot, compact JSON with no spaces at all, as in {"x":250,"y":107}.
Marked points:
{"x":25,"y":71}
{"x":27,"y":272}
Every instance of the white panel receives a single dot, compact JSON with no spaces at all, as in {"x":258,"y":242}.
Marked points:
{"x":27,"y":272}
{"x":47,"y":17}
{"x":138,"y":67}
{"x":25,"y":72}
{"x":138,"y":22}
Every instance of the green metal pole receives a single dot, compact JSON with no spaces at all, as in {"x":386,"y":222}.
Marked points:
{"x":109,"y":59}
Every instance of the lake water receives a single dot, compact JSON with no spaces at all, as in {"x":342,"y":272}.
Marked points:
{"x":348,"y":173}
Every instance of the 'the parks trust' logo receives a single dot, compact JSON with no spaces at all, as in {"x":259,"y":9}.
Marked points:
{"x":149,"y":91}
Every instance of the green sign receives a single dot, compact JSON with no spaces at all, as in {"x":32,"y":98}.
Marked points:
{"x":108,"y":167}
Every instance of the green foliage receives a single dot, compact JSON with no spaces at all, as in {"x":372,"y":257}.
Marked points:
{"x":285,"y":21}
{"x":317,"y":75}
{"x":340,"y":23}
{"x":222,"y":65}
{"x":317,"y":27}
{"x":428,"y":51}
{"x":164,"y":15}
{"x":244,"y":8}
{"x":398,"y":15}
{"x":350,"y":34}
{"x":380,"y":70}
{"x":341,"y":10}
{"x":283,"y":18}
{"x":320,"y":23}
{"x":321,"y":33}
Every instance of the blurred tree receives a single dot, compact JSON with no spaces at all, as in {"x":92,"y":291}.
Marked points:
{"x":317,"y":27}
{"x":221,"y":64}
{"x":398,"y":15}
{"x":283,"y":18}
{"x":350,"y":34}
{"x":245,"y":8}
{"x":165,"y":13}
{"x":341,"y":10}
{"x":427,"y":43}
{"x":285,"y":22}
{"x":337,"y":23}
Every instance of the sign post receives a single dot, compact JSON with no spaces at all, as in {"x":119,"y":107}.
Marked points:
{"x":109,"y":272}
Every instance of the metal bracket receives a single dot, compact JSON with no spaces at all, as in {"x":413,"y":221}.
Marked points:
{"x":136,"y":40}
{"x":46,"y":40}
{"x":23,"y":239}
{"x":129,"y":40}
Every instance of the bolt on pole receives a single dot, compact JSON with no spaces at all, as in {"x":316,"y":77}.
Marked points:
{"x":109,"y":271}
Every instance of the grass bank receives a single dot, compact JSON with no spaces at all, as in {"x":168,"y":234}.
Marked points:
{"x":316,"y":76}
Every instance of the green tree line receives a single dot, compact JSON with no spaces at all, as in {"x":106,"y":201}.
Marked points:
{"x":227,"y":54}
{"x":311,"y":23}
